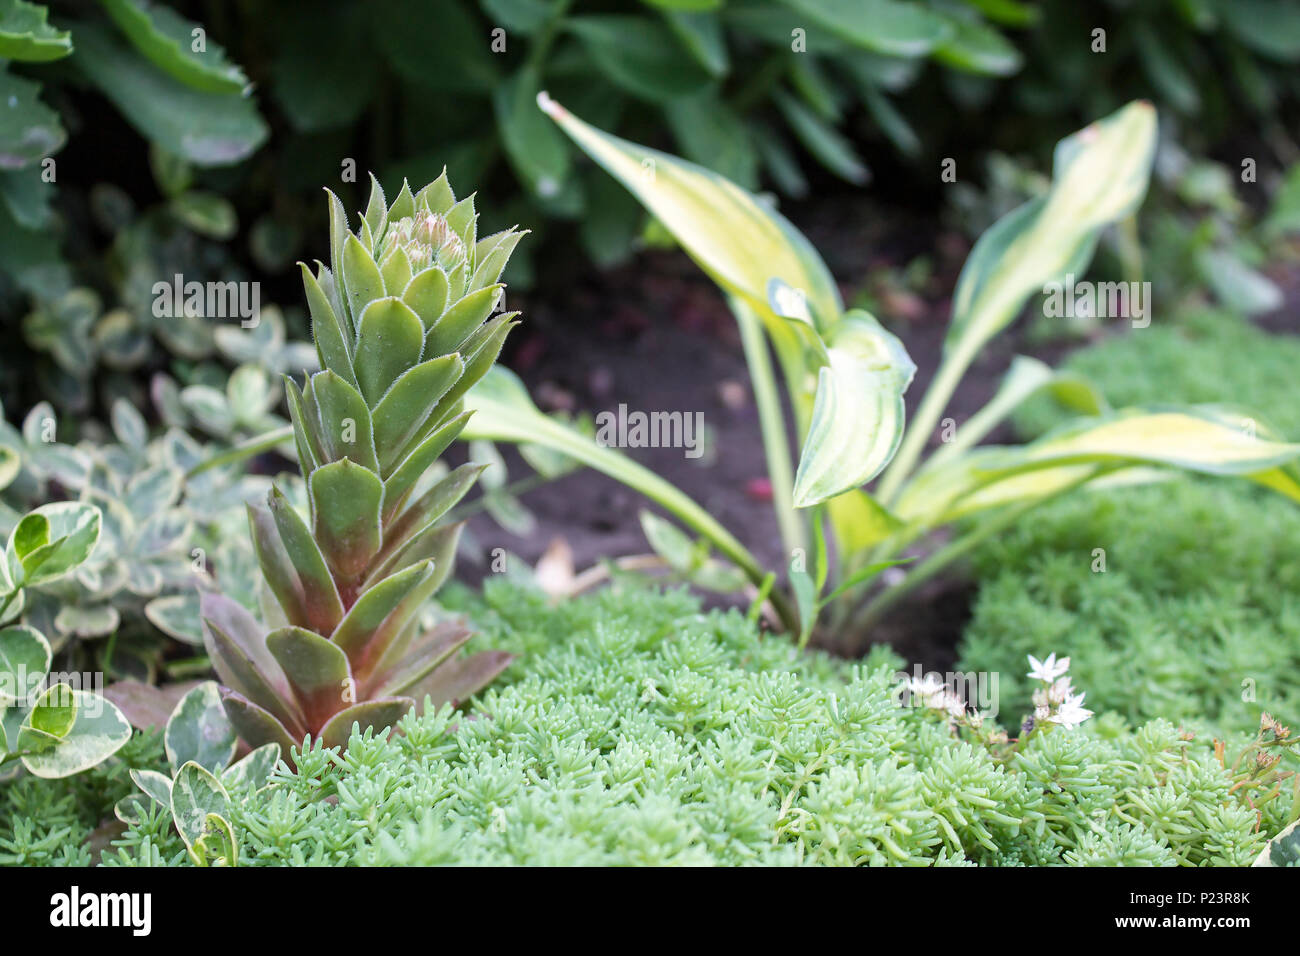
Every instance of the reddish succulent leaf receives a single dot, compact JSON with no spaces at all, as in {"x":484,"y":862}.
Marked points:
{"x":317,"y":671}
{"x":144,"y":705}
{"x":346,"y":500}
{"x":381,"y":713}
{"x":379,"y":616}
{"x":422,"y":655}
{"x":321,"y":602}
{"x":254,"y":725}
{"x":456,"y":681}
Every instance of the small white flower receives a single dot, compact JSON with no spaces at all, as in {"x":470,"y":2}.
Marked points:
{"x":1059,"y":692}
{"x":1049,"y":670}
{"x":1072,"y":712}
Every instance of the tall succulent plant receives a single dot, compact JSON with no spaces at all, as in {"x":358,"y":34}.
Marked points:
{"x":405,"y":321}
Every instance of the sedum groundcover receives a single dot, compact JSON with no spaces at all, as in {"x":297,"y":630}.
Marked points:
{"x":645,"y":731}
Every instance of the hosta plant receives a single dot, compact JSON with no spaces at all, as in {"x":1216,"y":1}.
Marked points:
{"x":845,"y":378}
{"x":405,"y":319}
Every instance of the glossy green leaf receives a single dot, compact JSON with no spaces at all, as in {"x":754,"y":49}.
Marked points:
{"x":208,"y":129}
{"x":29,"y":130}
{"x":25,"y":33}
{"x":170,"y":43}
{"x":639,"y":55}
{"x":882,"y":26}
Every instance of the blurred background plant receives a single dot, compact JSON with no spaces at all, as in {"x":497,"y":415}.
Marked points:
{"x":225,"y":120}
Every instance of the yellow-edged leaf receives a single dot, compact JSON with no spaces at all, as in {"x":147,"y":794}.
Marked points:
{"x":740,"y":242}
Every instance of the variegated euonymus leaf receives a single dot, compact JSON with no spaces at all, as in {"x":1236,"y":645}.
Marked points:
{"x":51,"y":540}
{"x":98,"y":731}
{"x":857,"y":421}
{"x":1100,"y":175}
{"x":195,"y":796}
{"x":198,"y":730}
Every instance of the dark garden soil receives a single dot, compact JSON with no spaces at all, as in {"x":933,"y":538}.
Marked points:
{"x":657,"y":336}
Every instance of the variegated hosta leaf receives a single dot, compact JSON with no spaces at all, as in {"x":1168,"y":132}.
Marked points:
{"x":1026,"y":377}
{"x":857,"y":420}
{"x":1100,"y":175}
{"x":741,"y":243}
{"x":1200,"y":439}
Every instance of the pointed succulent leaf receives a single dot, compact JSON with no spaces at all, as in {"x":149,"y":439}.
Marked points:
{"x":242,"y":629}
{"x":377,"y":208}
{"x":420,"y":657}
{"x":303,"y":439}
{"x":437,"y":196}
{"x":361,"y":279}
{"x":346,"y":500}
{"x":380,"y":614}
{"x":396,"y":270}
{"x":317,"y":669}
{"x":491,"y":256}
{"x":244,"y":664}
{"x":430,"y":506}
{"x":333,"y":340}
{"x":458,"y":680}
{"x":389,"y":341}
{"x":417,"y":462}
{"x":98,"y":732}
{"x":379,"y":714}
{"x":403,"y":204}
{"x":427,"y":295}
{"x":199,"y":731}
{"x":344,"y":428}
{"x":406,"y":408}
{"x":255,"y":725}
{"x":461,"y":319}
{"x":436,"y":543}
{"x":491,"y":337}
{"x":277,"y":567}
{"x":320,"y":597}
